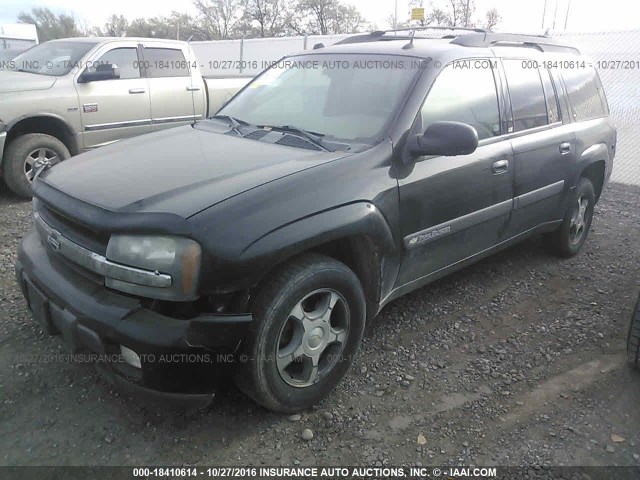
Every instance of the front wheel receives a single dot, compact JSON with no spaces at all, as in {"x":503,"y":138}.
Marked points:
{"x":22,"y":155}
{"x":308,"y":323}
{"x":568,"y":239}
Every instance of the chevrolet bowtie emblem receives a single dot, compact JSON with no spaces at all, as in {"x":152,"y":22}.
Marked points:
{"x":53,"y":241}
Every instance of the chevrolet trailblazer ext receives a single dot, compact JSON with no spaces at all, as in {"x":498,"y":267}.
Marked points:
{"x":258,"y":242}
{"x":63,"y":97}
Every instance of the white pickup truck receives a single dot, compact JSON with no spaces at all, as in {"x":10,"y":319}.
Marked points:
{"x":63,"y":97}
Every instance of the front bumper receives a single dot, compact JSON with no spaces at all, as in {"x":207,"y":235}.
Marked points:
{"x":3,"y":139}
{"x":179,"y":358}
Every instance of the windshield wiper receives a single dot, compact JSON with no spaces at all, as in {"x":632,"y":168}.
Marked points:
{"x":235,"y":123}
{"x":312,"y":137}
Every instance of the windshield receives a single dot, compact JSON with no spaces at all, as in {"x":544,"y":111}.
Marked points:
{"x":345,"y":97}
{"x":51,"y":58}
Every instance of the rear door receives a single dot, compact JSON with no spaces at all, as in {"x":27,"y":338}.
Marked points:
{"x":175,"y":99}
{"x":543,"y":147}
{"x":455,"y":207}
{"x":114,"y":109}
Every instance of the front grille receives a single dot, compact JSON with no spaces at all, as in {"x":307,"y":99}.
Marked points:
{"x":95,"y":241}
{"x":86,"y":259}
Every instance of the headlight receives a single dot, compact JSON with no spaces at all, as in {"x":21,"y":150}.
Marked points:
{"x":175,"y":256}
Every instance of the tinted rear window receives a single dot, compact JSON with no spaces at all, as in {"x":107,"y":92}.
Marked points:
{"x":165,"y":62}
{"x":585,"y":93}
{"x":551,"y":98}
{"x":527,"y":95}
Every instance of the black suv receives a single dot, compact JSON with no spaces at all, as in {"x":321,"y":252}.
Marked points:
{"x":259,"y":242}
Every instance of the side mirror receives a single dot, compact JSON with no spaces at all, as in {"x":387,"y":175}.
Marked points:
{"x":106,"y":71}
{"x":443,"y":139}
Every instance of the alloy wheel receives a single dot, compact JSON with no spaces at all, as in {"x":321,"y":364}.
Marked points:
{"x":312,"y":338}
{"x":36,"y":158}
{"x":579,"y":219}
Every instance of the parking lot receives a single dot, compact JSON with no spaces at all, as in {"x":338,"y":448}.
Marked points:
{"x":519,"y":359}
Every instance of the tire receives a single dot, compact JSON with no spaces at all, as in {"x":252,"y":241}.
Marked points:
{"x":633,"y":339}
{"x":566,"y":241}
{"x":16,"y":167}
{"x":277,"y":336}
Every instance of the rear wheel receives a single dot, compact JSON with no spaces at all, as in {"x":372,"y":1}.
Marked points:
{"x":308,"y":323}
{"x":633,"y":339}
{"x":568,"y":239}
{"x":22,"y":157}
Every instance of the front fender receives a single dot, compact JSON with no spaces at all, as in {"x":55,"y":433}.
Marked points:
{"x":257,"y":259}
{"x":361,"y":218}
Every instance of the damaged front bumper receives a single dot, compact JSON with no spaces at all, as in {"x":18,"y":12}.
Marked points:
{"x":137,"y":349}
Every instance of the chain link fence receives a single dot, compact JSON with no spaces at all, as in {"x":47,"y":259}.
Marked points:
{"x":617,"y":59}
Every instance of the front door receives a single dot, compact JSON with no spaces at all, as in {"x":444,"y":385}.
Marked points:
{"x":119,"y":108}
{"x":455,"y":207}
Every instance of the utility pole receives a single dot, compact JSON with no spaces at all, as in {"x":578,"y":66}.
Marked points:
{"x":566,"y":18}
{"x":395,"y":16}
{"x":544,"y":13}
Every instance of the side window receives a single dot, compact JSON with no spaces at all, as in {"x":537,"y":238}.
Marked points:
{"x":550,"y":96}
{"x":527,"y":96}
{"x":165,"y":62}
{"x":584,"y":93}
{"x":462,"y":93}
{"x":125,"y":58}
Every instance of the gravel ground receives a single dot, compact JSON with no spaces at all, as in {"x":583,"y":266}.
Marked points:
{"x":519,"y":359}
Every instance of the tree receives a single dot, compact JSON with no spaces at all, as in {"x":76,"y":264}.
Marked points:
{"x":438,"y":17}
{"x":219,"y":18}
{"x":348,"y":19}
{"x":451,"y":13}
{"x":326,"y":17}
{"x":269,"y":17}
{"x":492,"y":19}
{"x":51,"y":26}
{"x":460,"y":12}
{"x":116,"y":26}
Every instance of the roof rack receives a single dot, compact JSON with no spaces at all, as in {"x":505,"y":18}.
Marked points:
{"x":436,"y":27}
{"x":487,"y":39}
{"x":473,"y":37}
{"x":411,"y":33}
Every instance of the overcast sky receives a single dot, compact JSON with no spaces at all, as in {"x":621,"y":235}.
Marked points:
{"x":517,"y":15}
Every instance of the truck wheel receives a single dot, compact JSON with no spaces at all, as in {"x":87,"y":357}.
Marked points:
{"x":21,"y":155}
{"x":568,"y":239}
{"x":307,"y":325}
{"x":633,"y":340}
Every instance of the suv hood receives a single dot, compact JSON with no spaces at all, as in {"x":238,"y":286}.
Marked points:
{"x":11,"y":81}
{"x":182,"y":171}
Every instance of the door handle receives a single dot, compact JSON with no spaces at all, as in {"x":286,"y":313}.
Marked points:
{"x":193,"y":89}
{"x":565,"y":148}
{"x":501,"y":166}
{"x":134,"y":91}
